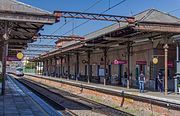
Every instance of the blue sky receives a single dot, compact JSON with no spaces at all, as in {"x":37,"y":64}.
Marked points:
{"x":128,"y":8}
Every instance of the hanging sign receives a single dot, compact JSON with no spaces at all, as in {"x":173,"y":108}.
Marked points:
{"x":141,"y":62}
{"x":12,"y":59}
{"x":20,"y":55}
{"x":119,"y":62}
{"x":155,"y":60}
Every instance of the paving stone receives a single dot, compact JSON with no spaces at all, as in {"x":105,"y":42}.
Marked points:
{"x":25,"y":112}
{"x":18,"y":99}
{"x":11,"y":114}
{"x":16,"y":103}
{"x":38,"y":114}
{"x":34,"y":109}
{"x":1,"y":114}
{"x":9,"y":108}
{"x":22,"y":107}
{"x":27,"y":115}
{"x":1,"y":109}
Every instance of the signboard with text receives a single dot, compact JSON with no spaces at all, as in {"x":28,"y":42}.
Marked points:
{"x":119,"y":62}
{"x":141,"y":62}
{"x":13,"y":59}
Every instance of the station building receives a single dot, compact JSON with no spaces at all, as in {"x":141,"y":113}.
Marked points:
{"x":118,"y":53}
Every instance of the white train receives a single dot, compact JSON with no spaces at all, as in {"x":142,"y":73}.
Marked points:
{"x":18,"y":71}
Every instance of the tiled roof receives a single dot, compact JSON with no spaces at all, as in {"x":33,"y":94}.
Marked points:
{"x":153,"y":15}
{"x":16,"y":6}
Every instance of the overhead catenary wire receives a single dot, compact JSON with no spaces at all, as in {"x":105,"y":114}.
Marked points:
{"x":88,"y":20}
{"x":100,"y":13}
{"x":66,"y":22}
{"x":94,"y":4}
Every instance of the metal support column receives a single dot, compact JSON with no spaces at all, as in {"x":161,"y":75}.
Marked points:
{"x":61,"y":66}
{"x":177,"y":75}
{"x":166,"y":68}
{"x":4,"y":59}
{"x":35,"y":67}
{"x":128,"y":70}
{"x":105,"y":66}
{"x":4,"y":56}
{"x":47,"y":67}
{"x":51,"y":67}
{"x":77,"y":66}
{"x":68,"y":58}
{"x":43,"y":68}
{"x":88,"y":62}
{"x":38,"y":68}
{"x":55,"y":66}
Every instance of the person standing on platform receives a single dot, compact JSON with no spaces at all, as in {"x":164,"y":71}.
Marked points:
{"x":160,"y":81}
{"x":141,"y":82}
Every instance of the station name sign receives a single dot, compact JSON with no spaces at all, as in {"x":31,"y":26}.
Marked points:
{"x":116,"y":61}
{"x":141,"y":62}
{"x":12,"y":59}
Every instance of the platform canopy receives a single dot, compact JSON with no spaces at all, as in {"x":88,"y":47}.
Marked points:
{"x":150,"y":25}
{"x":23,"y":22}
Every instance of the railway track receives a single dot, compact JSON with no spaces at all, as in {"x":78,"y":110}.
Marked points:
{"x":70,"y":104}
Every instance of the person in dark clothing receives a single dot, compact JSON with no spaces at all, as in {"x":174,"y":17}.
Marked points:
{"x":124,"y":79}
{"x":160,"y":81}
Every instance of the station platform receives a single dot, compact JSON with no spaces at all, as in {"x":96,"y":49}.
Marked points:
{"x":170,"y":99}
{"x":19,"y":101}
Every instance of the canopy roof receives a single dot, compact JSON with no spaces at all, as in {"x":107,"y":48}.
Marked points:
{"x":151,"y":24}
{"x":24,"y":21}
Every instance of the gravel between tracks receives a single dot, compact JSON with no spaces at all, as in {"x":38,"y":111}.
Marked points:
{"x":74,"y":104}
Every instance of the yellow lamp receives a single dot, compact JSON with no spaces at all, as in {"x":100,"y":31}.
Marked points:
{"x":155,"y":60}
{"x":20,"y":55}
